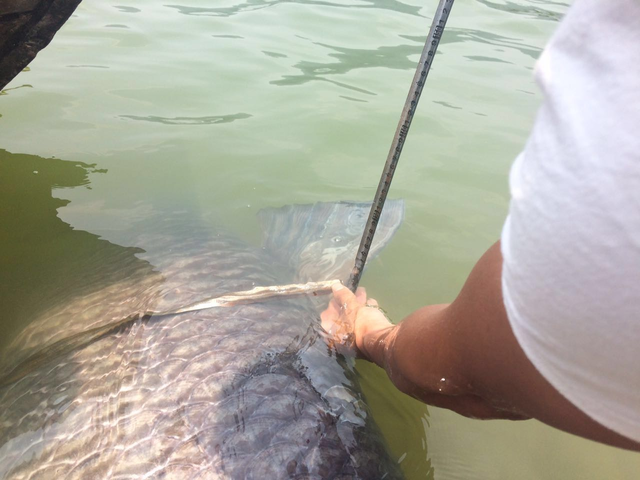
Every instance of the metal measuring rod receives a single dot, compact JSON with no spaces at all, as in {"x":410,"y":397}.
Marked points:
{"x":419,"y":79}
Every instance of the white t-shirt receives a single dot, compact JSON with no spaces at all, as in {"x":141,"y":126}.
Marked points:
{"x":571,"y":242}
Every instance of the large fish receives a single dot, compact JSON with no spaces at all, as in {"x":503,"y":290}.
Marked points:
{"x":248,"y":391}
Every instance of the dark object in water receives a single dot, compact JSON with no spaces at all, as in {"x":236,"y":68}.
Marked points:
{"x":246,"y":391}
{"x":26,"y":27}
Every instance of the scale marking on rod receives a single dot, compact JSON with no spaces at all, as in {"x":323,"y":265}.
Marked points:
{"x":424,"y":65}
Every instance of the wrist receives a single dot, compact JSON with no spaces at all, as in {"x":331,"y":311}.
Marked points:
{"x":376,"y":344}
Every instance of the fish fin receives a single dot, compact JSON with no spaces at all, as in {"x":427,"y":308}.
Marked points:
{"x":320,"y":241}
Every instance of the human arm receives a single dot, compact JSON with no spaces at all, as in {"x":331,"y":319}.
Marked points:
{"x":468,"y":343}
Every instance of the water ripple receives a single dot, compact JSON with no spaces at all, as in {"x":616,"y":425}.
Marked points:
{"x":353,"y":99}
{"x":482,"y":58}
{"x":251,"y":5}
{"x":455,"y":35}
{"x":227,"y":36}
{"x":210,"y":120}
{"x":530,"y":11}
{"x":274,"y":54}
{"x":125,"y":9}
{"x":446,"y":104}
{"x":393,"y":57}
{"x":87,"y":66}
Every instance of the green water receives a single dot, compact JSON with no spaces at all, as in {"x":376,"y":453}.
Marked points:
{"x":228,"y":107}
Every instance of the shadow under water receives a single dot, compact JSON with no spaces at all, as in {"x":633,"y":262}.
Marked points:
{"x":44,"y":261}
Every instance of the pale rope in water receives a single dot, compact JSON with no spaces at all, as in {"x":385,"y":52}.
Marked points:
{"x":79,"y":340}
{"x":256,"y":294}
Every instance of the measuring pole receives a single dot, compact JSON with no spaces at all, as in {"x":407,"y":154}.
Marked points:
{"x":419,"y":79}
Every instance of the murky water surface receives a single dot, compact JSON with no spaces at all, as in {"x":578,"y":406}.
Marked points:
{"x":224,"y":108}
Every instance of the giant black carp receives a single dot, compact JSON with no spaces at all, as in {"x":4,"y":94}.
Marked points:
{"x":248,"y":391}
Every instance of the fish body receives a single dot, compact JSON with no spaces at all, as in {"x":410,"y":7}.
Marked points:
{"x":245,"y":391}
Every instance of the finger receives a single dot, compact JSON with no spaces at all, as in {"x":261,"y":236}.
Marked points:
{"x":334,"y":306}
{"x":327,"y":320}
{"x":361,"y":295}
{"x":332,"y":311}
{"x":342,"y":294}
{"x":372,"y":302}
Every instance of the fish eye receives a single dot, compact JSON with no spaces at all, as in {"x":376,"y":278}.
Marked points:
{"x":336,"y":239}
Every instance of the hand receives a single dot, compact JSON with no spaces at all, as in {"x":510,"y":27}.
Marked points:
{"x":355,"y":325}
{"x":349,"y":318}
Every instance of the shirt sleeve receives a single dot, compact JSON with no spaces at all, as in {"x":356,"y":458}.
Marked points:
{"x":571,"y":242}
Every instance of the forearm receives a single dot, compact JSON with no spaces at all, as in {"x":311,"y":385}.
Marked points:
{"x":464,"y":357}
{"x":424,"y":358}
{"x":428,"y":352}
